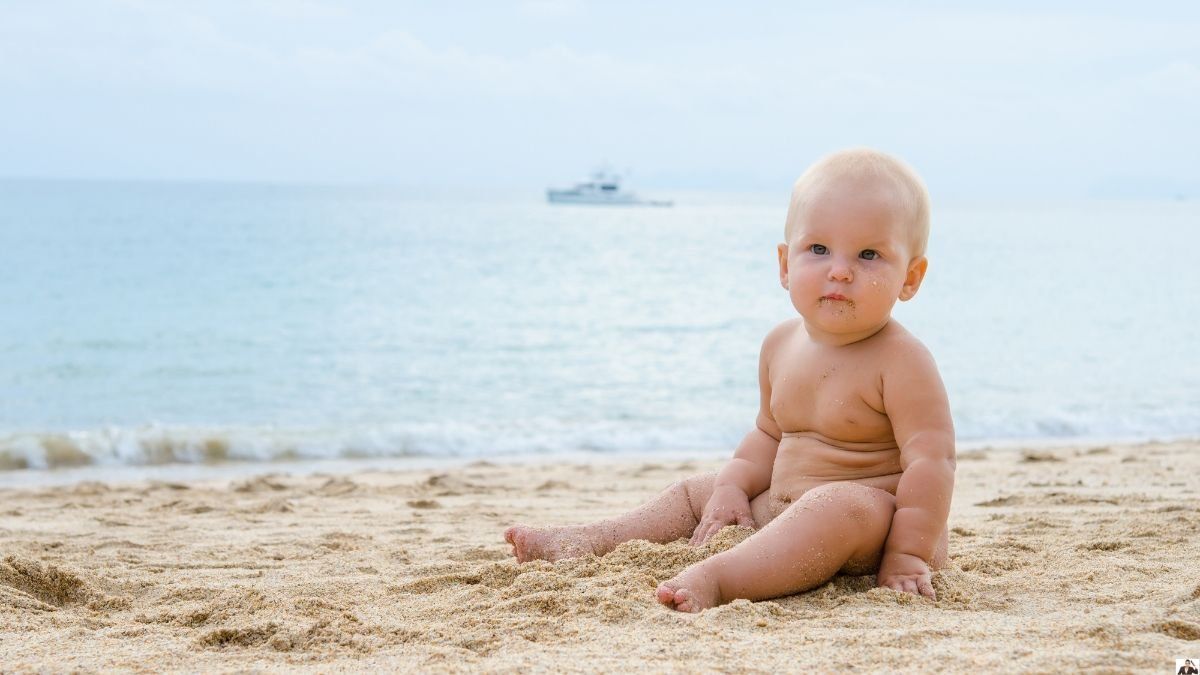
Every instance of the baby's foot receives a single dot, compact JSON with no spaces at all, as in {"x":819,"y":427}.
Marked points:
{"x":691,"y":590}
{"x":547,"y":543}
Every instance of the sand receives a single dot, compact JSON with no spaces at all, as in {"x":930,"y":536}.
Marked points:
{"x":1061,"y":559}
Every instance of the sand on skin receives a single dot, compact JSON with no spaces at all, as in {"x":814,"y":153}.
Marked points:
{"x":1061,"y":559}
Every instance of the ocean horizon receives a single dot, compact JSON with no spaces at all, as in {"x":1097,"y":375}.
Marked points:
{"x":162,"y":324}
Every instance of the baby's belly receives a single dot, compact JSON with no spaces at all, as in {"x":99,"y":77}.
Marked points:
{"x":805,"y":461}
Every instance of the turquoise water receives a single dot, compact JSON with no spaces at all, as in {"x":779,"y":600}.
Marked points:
{"x":148,"y":323}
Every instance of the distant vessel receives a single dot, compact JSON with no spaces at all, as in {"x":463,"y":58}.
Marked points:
{"x":604,"y":187}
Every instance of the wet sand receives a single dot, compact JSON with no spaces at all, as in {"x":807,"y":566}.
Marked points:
{"x":1061,"y":559}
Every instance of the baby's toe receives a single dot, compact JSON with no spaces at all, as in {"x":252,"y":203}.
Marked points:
{"x":516,"y":537}
{"x":684,"y":601}
{"x":668,"y":594}
{"x":676,"y":598}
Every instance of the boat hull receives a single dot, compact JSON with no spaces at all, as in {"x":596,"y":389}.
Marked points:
{"x":575,"y":197}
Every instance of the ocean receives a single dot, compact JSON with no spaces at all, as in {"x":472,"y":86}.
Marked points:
{"x":149,"y":324}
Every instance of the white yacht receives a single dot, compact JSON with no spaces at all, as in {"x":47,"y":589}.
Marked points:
{"x":604,"y":187}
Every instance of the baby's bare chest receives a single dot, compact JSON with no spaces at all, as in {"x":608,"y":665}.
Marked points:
{"x":838,"y":397}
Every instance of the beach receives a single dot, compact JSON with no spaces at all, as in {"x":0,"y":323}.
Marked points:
{"x":1062,"y":558}
{"x":308,"y":303}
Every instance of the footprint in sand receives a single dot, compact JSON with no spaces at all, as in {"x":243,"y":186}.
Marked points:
{"x":50,"y":586}
{"x":1178,"y":629}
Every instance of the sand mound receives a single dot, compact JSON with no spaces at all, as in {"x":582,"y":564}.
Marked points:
{"x":49,"y":586}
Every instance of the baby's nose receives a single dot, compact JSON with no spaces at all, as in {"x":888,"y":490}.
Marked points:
{"x":839,"y":271}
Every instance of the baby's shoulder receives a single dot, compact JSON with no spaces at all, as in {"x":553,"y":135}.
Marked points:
{"x":780,"y":334}
{"x":896,"y":336}
{"x":900,"y":350}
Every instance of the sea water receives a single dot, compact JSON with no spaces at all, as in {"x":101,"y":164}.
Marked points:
{"x":151,"y":323}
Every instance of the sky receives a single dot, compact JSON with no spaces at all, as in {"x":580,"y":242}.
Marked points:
{"x":1025,"y":99}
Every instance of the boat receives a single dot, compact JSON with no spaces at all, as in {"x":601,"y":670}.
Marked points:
{"x":604,"y":187}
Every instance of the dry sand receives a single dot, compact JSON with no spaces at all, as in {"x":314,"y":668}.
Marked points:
{"x":1061,"y":560}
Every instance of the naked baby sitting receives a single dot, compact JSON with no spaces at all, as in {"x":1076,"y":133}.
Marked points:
{"x":850,"y":465}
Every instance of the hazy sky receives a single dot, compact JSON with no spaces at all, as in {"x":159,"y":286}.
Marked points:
{"x":1019,"y":98}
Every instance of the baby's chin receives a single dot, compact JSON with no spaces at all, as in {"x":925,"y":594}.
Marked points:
{"x":834,"y":315}
{"x":842,"y":322}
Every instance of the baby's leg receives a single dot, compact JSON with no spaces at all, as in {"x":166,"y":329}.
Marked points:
{"x":673,"y":513}
{"x":831,"y":528}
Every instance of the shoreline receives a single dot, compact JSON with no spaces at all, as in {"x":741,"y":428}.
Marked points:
{"x":236,"y":468}
{"x":1060,"y":559}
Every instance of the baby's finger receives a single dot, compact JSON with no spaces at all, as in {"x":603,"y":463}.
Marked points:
{"x":909,"y":586}
{"x":926,"y":587}
{"x":745,"y":521}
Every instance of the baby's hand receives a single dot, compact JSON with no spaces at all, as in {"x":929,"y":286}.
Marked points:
{"x":728,"y":505}
{"x":907,"y":574}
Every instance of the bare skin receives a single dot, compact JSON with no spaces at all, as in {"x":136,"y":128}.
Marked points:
{"x":846,"y":522}
{"x":850,"y":465}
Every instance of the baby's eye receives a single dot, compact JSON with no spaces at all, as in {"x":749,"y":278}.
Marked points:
{"x":819,"y":249}
{"x":869,"y":254}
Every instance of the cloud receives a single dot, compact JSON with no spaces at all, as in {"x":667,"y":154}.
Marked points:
{"x":307,"y":10}
{"x":1019,"y":95}
{"x":550,"y":8}
{"x":1178,"y":78}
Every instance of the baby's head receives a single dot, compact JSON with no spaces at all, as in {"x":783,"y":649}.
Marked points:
{"x":870,"y":173}
{"x":856,"y":231}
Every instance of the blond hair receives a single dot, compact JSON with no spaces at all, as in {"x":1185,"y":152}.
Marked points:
{"x":864,"y":163}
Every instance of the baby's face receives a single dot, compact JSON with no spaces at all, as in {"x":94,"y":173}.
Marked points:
{"x":849,"y":260}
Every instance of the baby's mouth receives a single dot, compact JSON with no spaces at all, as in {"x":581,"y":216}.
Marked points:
{"x":835,"y":297}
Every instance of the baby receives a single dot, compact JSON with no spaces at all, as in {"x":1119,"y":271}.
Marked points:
{"x":850,"y":465}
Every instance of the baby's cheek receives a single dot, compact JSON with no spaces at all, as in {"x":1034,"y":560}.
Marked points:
{"x":877,"y":284}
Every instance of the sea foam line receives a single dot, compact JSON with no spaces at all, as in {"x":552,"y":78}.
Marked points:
{"x":152,"y":445}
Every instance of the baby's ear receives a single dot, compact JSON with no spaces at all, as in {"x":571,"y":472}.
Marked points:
{"x":783,"y":275}
{"x":914,"y":277}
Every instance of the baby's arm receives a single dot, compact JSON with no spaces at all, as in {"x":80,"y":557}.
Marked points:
{"x":915,"y":400}
{"x":748,"y":474}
